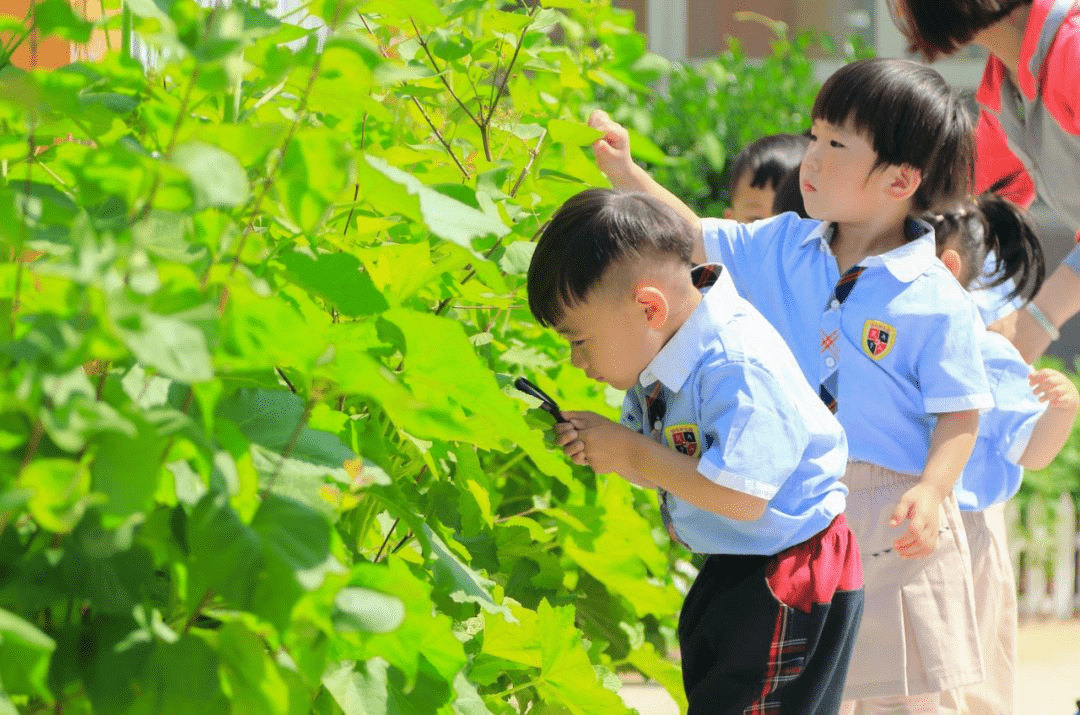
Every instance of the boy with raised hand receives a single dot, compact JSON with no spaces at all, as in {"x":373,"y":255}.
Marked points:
{"x":720,"y":421}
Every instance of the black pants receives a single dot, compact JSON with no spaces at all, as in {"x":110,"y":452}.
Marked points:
{"x":772,"y":635}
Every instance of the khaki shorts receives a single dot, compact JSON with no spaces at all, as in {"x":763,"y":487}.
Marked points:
{"x":918,"y":634}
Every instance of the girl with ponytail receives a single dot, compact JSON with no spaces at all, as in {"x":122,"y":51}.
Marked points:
{"x":1031,"y":419}
{"x":890,"y":340}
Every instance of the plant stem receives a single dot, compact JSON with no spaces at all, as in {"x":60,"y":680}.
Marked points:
{"x":507,"y":693}
{"x":382,"y":546}
{"x":289,"y":448}
{"x":446,"y":83}
{"x":32,"y":445}
{"x":198,"y":609}
{"x":532,"y":158}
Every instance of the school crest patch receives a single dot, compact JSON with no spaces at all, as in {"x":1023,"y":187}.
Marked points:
{"x":878,"y":338}
{"x":684,"y":439}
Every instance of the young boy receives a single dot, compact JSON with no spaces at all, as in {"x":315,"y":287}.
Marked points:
{"x":758,"y":170}
{"x":720,"y":421}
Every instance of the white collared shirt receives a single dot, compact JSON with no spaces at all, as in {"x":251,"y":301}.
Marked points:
{"x":906,"y":340}
{"x":736,"y":399}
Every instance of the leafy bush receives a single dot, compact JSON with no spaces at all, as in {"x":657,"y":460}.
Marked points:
{"x":705,"y":113}
{"x":254,"y":455}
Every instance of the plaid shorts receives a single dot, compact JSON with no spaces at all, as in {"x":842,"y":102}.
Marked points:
{"x":772,"y":635}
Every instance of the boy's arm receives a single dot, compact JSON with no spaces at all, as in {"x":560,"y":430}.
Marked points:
{"x":612,"y":152}
{"x":950,"y":447}
{"x":1056,"y":423}
{"x":606,"y":446}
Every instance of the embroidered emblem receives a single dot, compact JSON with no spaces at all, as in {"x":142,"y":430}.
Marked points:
{"x":828,"y":342}
{"x":878,"y":338}
{"x":684,"y":439}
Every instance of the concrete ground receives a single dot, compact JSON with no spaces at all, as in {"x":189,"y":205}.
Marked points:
{"x":1049,"y":674}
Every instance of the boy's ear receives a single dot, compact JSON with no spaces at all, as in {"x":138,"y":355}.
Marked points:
{"x":654,"y":303}
{"x":904,"y":181}
{"x":951,"y":259}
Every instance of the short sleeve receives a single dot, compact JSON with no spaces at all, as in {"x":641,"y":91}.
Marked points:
{"x":950,"y":365}
{"x":996,"y":162}
{"x":1010,"y":424}
{"x":755,"y":436}
{"x":743,"y":247}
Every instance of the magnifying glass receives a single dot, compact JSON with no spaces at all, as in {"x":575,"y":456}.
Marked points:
{"x":546,"y":403}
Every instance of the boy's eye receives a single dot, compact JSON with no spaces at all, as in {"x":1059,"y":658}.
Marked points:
{"x":577,"y":343}
{"x":836,"y":144}
{"x":812,"y":136}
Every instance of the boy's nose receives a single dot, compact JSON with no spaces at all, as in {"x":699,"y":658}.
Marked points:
{"x":577,"y":359}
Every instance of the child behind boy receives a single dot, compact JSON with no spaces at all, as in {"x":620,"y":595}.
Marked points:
{"x":891,"y":341}
{"x":719,"y":420}
{"x":756,"y":173}
{"x":1030,"y":422}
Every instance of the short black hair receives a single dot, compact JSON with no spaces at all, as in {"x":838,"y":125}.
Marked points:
{"x":941,"y":27}
{"x":789,"y":195}
{"x":911,"y":116}
{"x":768,"y":159}
{"x":592,"y":232}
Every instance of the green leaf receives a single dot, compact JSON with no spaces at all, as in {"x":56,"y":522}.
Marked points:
{"x":339,"y":278}
{"x":173,"y":347}
{"x":181,"y":678}
{"x":367,"y":610}
{"x":126,"y":469}
{"x":24,"y":657}
{"x":445,"y":217}
{"x":216,"y":176}
{"x":441,"y":365}
{"x":573,"y":133}
{"x":313,"y":174}
{"x":547,"y":639}
{"x":55,"y":17}
{"x":61,"y":490}
{"x":255,"y":685}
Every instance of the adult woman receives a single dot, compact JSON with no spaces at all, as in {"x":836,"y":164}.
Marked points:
{"x":1029,"y":126}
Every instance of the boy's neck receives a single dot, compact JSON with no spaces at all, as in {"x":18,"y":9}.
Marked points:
{"x":1005,"y":37}
{"x":683,"y":306}
{"x":852,"y":242}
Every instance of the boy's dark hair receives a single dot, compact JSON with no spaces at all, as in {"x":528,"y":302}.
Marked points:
{"x":941,"y":27}
{"x":592,"y":232}
{"x":993,"y":223}
{"x":911,"y":116}
{"x":768,"y":159}
{"x":789,"y":195}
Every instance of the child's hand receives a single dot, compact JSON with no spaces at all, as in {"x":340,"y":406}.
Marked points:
{"x":612,"y":151}
{"x":592,"y":440}
{"x":920,"y":506}
{"x":1053,"y":387}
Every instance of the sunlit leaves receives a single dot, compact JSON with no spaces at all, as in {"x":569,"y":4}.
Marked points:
{"x":253,"y":456}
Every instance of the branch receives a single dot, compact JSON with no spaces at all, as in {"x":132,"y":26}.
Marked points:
{"x":532,"y":157}
{"x":420,"y":107}
{"x":441,"y":76}
{"x":510,"y":67}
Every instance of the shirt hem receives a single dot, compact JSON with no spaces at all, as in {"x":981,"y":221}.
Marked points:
{"x":938,"y":405}
{"x":930,"y":683}
{"x":724,"y":478}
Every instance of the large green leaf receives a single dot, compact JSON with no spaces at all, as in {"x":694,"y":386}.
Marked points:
{"x":441,"y":366}
{"x":181,"y":678}
{"x":445,"y":217}
{"x":216,"y":176}
{"x":61,"y":492}
{"x":255,"y":685}
{"x":126,"y":469}
{"x":547,"y":639}
{"x":24,"y":657}
{"x":339,"y":278}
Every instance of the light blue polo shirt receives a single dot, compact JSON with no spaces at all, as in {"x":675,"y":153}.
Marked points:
{"x":992,"y":475}
{"x":993,"y":301}
{"x":736,"y":399}
{"x":906,"y":340}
